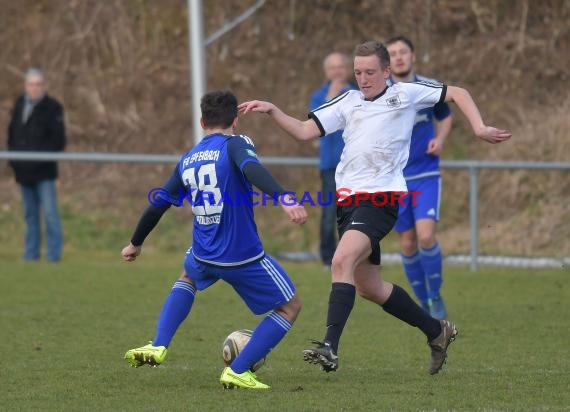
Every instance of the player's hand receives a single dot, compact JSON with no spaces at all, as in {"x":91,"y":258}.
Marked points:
{"x":493,"y":135}
{"x":256,"y":106}
{"x":435,"y":146}
{"x":130,"y":252}
{"x":296,"y":213}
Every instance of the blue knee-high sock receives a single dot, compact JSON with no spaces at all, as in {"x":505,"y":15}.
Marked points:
{"x":416,"y":276}
{"x":175,"y":309}
{"x":265,"y":337}
{"x":432,"y":265}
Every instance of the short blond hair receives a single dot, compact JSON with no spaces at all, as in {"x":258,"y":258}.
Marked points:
{"x":374,"y":48}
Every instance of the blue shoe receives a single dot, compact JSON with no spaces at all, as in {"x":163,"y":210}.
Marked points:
{"x":437,"y":308}
{"x":425,"y":306}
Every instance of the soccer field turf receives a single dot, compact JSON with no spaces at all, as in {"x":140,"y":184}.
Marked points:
{"x":66,"y":327}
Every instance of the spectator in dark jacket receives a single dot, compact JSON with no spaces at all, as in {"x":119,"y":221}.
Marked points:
{"x":37,"y":125}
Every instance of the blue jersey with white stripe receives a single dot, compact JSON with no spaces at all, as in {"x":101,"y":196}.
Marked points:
{"x":420,"y":164}
{"x":210,"y":178}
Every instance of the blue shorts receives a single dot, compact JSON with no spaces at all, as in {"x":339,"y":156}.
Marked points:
{"x":263,"y":285}
{"x":427,"y":201}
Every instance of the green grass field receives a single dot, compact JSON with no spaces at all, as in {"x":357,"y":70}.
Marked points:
{"x":66,"y":327}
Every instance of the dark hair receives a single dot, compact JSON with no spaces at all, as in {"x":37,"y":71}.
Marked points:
{"x":403,"y":39}
{"x":374,"y":48}
{"x":219,"y":109}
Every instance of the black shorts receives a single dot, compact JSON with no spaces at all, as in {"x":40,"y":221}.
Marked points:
{"x":373,"y":217}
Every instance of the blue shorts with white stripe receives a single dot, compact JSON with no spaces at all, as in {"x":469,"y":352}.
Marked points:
{"x":263,"y":285}
{"x":427,"y":202}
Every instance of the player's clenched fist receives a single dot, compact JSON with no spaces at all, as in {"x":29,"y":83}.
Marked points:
{"x":130,"y":252}
{"x":297,"y":213}
{"x":435,"y":146}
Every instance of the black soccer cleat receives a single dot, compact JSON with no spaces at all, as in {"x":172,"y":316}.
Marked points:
{"x":323,"y":354}
{"x":439,"y":346}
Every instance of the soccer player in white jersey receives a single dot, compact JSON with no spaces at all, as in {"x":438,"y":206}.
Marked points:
{"x":417,"y":221}
{"x":377,"y":123}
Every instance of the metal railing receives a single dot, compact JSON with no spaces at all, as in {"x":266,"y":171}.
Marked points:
{"x":472,"y":166}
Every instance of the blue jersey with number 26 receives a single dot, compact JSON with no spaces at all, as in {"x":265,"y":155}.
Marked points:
{"x":209,"y":178}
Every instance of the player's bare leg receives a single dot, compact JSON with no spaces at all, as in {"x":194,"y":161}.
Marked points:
{"x":184,"y":278}
{"x":354,"y":247}
{"x":370,"y":285}
{"x":409,"y":242}
{"x":426,"y":229}
{"x":291,"y":309}
{"x":399,"y":304}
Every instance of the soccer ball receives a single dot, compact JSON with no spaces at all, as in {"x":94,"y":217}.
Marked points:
{"x":234,"y":344}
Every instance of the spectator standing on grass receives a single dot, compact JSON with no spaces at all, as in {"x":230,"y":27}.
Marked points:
{"x":37,"y":125}
{"x":338,"y":71}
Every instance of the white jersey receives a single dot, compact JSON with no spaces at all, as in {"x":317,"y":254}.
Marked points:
{"x":377,"y":134}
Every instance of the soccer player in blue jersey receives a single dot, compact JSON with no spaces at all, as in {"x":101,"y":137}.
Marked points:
{"x":377,"y":121}
{"x":416,"y":224}
{"x":216,"y":178}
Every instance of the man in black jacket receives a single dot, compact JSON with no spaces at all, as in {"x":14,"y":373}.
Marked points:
{"x":37,"y":125}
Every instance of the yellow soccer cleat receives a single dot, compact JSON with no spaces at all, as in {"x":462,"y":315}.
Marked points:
{"x":246,"y":380}
{"x":148,"y":354}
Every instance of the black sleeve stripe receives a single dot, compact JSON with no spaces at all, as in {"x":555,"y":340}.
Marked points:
{"x":333,"y":101}
{"x":443,"y":93}
{"x":318,"y":122}
{"x":429,"y":82}
{"x":432,"y":85}
{"x":424,"y":79}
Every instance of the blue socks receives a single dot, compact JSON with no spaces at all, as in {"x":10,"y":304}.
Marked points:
{"x":265,"y":337}
{"x":423,"y":270}
{"x":415,"y":274}
{"x":177,"y":306}
{"x":432,"y":265}
{"x":175,"y":309}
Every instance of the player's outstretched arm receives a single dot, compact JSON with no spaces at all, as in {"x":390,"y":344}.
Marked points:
{"x":464,"y":101}
{"x":300,"y":130}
